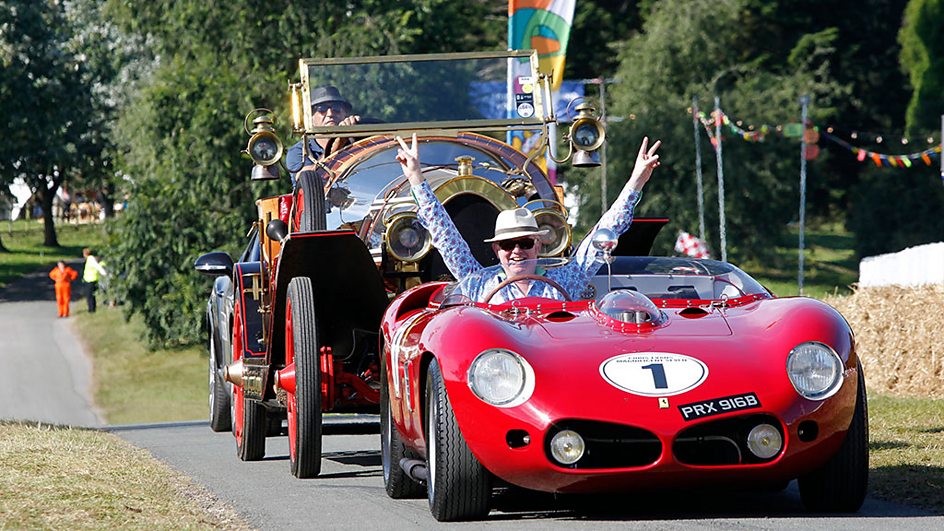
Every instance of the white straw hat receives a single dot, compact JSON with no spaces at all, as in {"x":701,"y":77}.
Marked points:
{"x":516,"y":223}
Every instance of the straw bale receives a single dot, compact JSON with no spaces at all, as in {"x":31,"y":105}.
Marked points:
{"x":899,"y":335}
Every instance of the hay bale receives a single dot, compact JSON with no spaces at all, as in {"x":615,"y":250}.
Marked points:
{"x":899,"y":337}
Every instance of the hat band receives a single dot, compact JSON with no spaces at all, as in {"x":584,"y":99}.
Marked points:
{"x":509,"y":230}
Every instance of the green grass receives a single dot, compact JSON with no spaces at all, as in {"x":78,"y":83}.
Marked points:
{"x":906,"y":441}
{"x":134,"y":384}
{"x":830,"y":264}
{"x":66,"y":478}
{"x":24,"y":240}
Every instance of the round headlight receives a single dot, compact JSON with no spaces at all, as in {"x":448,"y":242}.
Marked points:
{"x":265,"y":148}
{"x":501,"y":378}
{"x":815,"y":370}
{"x":407,"y":239}
{"x":567,"y":447}
{"x":587,"y":134}
{"x":764,"y":441}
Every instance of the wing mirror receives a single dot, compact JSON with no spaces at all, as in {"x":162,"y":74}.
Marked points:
{"x":214,"y":264}
{"x":604,"y":241}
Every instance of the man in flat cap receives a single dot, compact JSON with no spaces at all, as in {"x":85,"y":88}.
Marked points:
{"x":328,"y":108}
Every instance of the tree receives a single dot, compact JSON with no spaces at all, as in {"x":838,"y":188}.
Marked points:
{"x":45,"y":99}
{"x":680,"y":53}
{"x":922,"y":40}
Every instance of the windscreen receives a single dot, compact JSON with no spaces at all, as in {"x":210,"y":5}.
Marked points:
{"x":449,"y":91}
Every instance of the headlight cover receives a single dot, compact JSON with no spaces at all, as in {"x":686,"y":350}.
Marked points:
{"x":501,"y":378}
{"x":815,"y":370}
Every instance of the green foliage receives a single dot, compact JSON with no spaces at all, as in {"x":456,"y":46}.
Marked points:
{"x":674,"y":59}
{"x":922,"y":41}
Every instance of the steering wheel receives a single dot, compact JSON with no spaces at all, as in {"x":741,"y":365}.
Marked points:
{"x":529,"y":276}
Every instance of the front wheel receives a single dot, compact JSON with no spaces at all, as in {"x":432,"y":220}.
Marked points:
{"x":397,"y":483}
{"x":219,"y":394}
{"x":249,"y":427}
{"x":840,"y":484}
{"x":459,"y":487}
{"x":304,"y":406}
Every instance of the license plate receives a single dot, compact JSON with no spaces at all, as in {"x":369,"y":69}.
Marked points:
{"x":717,"y":406}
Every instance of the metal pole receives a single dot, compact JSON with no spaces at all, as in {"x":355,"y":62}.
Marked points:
{"x":603,"y":199}
{"x":804,"y":101}
{"x":724,"y":237}
{"x":701,"y":196}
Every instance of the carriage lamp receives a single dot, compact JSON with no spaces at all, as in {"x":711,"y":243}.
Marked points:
{"x":764,"y":441}
{"x":586,"y":136}
{"x":406,"y":239}
{"x":567,"y":447}
{"x":298,"y":124}
{"x":264,"y":147}
{"x":815,"y":370}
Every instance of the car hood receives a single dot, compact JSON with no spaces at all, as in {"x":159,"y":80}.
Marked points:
{"x":681,"y":322}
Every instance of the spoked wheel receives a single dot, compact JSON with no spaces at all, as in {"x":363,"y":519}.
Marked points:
{"x":398,"y":484}
{"x":219,"y":394}
{"x":840,"y":484}
{"x":249,"y":417}
{"x":459,"y":487}
{"x":304,"y":406}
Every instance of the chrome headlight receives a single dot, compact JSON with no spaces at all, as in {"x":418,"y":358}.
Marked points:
{"x":501,"y":378}
{"x":815,"y":370}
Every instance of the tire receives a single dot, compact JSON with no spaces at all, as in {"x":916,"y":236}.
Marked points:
{"x":840,"y":484}
{"x":310,"y":199}
{"x":459,"y":487}
{"x":249,"y":417}
{"x":220,"y":420}
{"x":397,"y":483}
{"x":304,"y":406}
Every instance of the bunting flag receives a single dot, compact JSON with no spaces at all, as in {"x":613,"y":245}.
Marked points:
{"x":812,"y":134}
{"x":542,"y":25}
{"x":689,"y":245}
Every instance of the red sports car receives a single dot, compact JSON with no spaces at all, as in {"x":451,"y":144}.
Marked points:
{"x":667,"y":372}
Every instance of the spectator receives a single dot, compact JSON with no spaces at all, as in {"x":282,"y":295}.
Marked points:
{"x":91,"y":275}
{"x":63,"y":276}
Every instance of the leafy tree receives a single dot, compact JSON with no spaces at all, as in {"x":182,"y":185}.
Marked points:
{"x":922,"y":40}
{"x":680,"y":54}
{"x":46,"y":100}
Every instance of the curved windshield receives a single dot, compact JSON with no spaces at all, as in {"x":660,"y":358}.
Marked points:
{"x":676,"y":278}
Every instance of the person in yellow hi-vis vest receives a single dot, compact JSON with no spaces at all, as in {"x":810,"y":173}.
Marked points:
{"x":63,"y":276}
{"x":92,"y":273}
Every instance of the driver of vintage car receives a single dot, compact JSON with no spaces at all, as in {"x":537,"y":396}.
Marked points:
{"x":517,"y":239}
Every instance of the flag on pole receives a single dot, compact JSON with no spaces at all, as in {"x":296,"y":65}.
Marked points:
{"x":542,"y":25}
{"x":692,"y":246}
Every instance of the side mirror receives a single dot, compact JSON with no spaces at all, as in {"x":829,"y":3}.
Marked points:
{"x":277,"y":230}
{"x":214,"y":264}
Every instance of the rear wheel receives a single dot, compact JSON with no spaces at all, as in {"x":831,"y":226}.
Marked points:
{"x":249,"y":417}
{"x":304,"y":406}
{"x":459,"y":487}
{"x":309,"y":201}
{"x":397,"y":483}
{"x":840,"y":485}
{"x":219,"y":394}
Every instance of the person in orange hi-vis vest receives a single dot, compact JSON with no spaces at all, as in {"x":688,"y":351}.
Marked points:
{"x":63,"y":275}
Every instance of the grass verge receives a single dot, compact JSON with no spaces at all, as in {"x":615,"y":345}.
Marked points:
{"x":906,"y":443}
{"x":24,"y":240}
{"x":134,"y":384}
{"x":64,"y":478}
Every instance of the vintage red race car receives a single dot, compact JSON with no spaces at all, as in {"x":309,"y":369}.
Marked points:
{"x":671,"y":372}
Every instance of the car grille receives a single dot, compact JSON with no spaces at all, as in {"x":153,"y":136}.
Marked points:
{"x":609,"y":445}
{"x":721,"y":442}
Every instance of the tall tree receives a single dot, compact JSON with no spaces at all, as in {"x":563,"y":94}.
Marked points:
{"x":45,"y":98}
{"x":922,"y":44}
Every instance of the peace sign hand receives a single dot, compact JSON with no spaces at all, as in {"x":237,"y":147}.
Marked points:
{"x":408,"y":157}
{"x":646,"y":161}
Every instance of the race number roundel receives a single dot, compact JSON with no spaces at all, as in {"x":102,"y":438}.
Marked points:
{"x":654,"y":373}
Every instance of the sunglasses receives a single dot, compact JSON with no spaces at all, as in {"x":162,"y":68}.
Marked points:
{"x":336,"y":108}
{"x":509,"y":245}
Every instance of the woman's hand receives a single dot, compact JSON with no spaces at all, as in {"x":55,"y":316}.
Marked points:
{"x":646,"y":161}
{"x":409,"y":160}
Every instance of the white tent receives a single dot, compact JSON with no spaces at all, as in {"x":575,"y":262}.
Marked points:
{"x":18,"y":196}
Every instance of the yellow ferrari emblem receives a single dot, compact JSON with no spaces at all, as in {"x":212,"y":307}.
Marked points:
{"x":663,"y":403}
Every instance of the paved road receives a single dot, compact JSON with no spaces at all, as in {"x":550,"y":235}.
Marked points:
{"x":350,"y":493}
{"x":44,"y":373}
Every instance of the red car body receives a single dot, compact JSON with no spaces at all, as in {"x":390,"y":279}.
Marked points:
{"x":641,"y":441}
